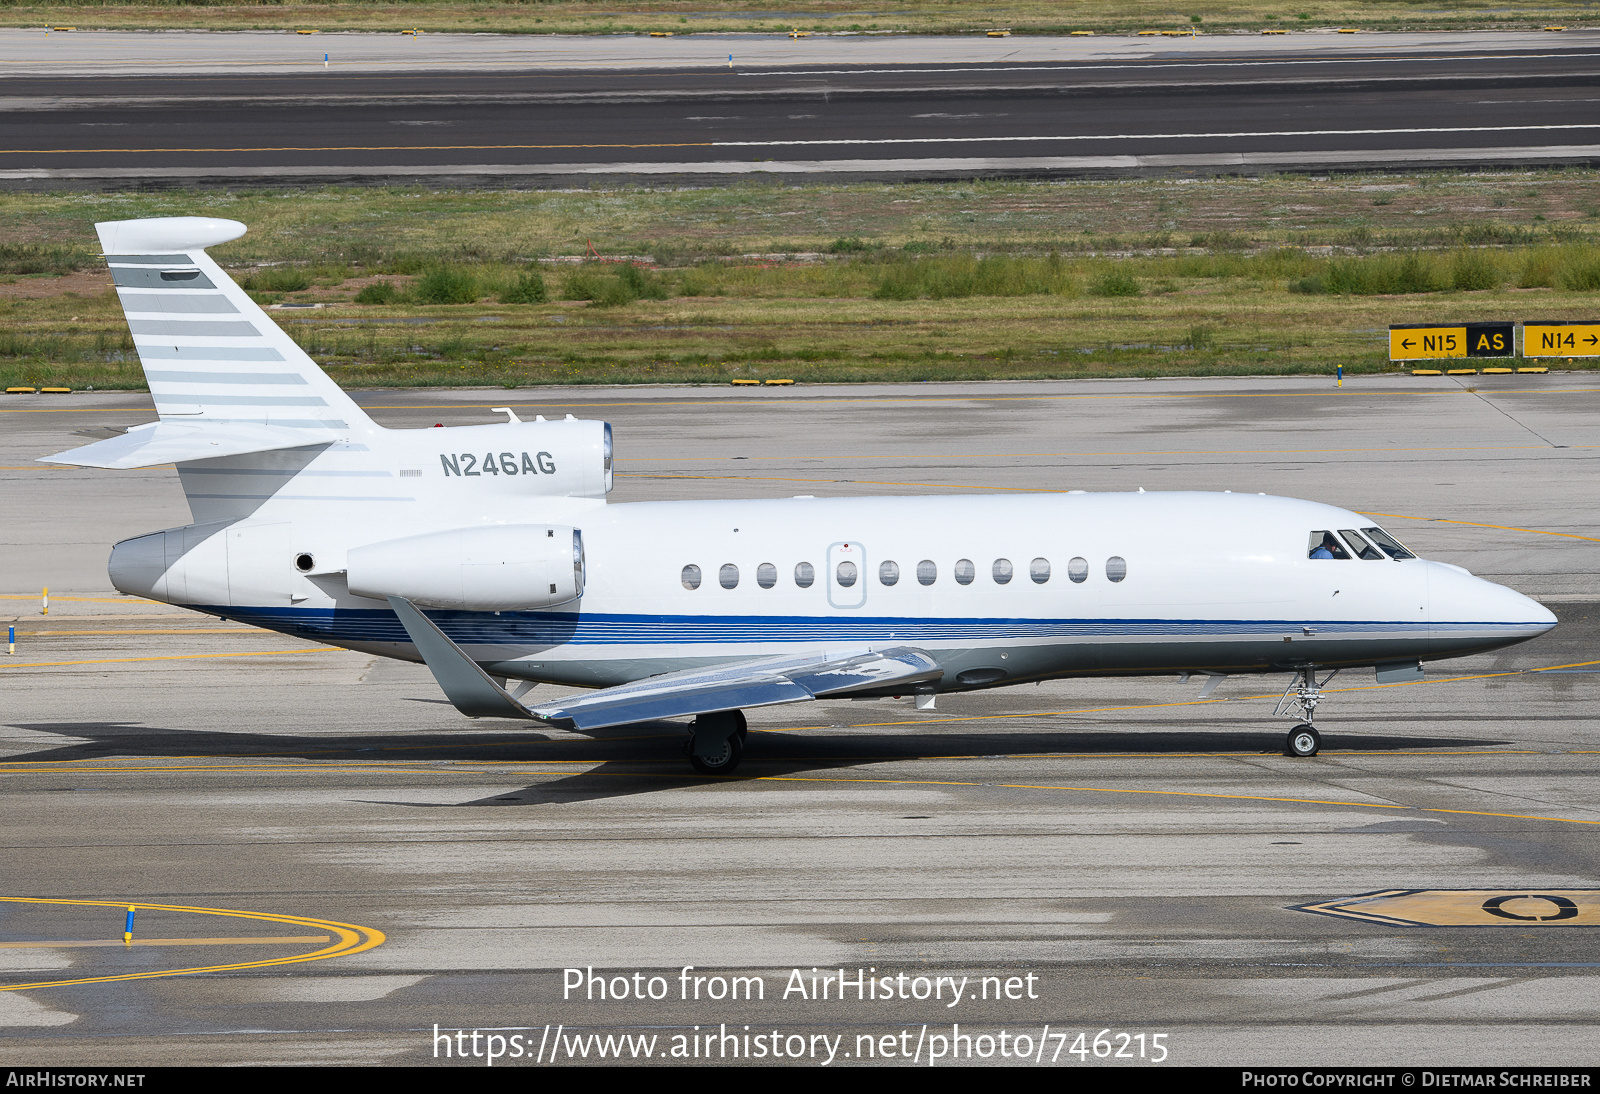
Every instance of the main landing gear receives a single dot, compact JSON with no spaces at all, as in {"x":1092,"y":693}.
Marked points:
{"x":716,"y":742}
{"x":1301,"y":698}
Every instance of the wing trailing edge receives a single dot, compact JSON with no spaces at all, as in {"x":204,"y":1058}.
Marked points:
{"x":766,"y":681}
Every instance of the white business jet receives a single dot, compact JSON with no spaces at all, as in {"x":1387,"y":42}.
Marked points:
{"x":489,"y":553}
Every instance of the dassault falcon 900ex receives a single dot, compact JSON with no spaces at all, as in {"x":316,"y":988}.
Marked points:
{"x":489,"y":553}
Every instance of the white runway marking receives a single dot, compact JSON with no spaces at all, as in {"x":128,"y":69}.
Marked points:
{"x":1160,"y":136}
{"x":1164,"y":66}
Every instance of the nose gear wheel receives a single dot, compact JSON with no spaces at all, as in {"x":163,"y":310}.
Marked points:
{"x":1300,"y":698}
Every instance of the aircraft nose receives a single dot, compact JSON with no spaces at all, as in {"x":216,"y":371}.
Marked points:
{"x":1463,"y":606}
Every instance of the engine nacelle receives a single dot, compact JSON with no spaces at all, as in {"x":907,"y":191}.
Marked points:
{"x":503,"y":567}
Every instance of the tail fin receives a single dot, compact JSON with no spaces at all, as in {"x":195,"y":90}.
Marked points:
{"x":225,"y":379}
{"x":210,"y":354}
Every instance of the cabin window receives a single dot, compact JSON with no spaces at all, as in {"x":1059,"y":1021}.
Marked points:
{"x":1039,"y":570}
{"x":766,"y":575}
{"x":965,"y":571}
{"x":1390,"y":545}
{"x":804,"y":574}
{"x":889,"y":572}
{"x":691,"y":577}
{"x":728,"y":576}
{"x":1325,"y":544}
{"x":1116,"y":568}
{"x":927,"y":572}
{"x":1078,"y":570}
{"x":1361,"y":547}
{"x":1001,"y":571}
{"x":845,"y":575}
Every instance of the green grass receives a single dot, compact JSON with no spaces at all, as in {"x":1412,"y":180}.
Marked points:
{"x":777,"y":16}
{"x":36,"y":258}
{"x":407,"y":230}
{"x":842,"y":283}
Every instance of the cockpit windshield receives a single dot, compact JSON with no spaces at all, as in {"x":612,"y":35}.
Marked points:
{"x":1325,"y":544}
{"x":1361,"y":547}
{"x":1391,"y":546}
{"x":1372,"y":544}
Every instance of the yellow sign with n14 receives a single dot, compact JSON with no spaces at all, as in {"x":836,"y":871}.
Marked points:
{"x":1561,"y":339}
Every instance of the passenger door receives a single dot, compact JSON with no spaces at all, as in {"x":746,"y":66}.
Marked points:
{"x":847,"y":575}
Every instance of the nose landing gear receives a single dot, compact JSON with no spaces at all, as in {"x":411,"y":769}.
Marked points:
{"x":1304,"y":740}
{"x":1301,"y":698}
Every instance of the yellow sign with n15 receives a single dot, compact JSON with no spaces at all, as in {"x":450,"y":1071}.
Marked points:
{"x":1419,"y":343}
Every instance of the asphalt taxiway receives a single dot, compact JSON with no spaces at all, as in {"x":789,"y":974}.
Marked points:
{"x":114,"y":110}
{"x":358,"y":864}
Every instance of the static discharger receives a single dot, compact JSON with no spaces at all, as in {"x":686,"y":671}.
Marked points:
{"x":1467,"y":907}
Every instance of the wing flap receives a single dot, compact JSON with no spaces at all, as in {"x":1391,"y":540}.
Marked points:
{"x":763,"y":682}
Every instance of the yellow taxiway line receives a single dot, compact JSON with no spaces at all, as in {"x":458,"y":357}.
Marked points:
{"x":81,"y":943}
{"x":172,"y":657}
{"x":348,"y":939}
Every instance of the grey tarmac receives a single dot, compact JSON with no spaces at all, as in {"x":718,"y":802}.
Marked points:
{"x":1130,"y":856}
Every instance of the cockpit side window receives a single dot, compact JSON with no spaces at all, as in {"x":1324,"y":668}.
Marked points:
{"x":1361,"y":547}
{"x":1391,"y":546}
{"x":1325,"y":544}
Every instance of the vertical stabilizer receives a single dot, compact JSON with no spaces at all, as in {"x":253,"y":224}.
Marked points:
{"x":209,"y":353}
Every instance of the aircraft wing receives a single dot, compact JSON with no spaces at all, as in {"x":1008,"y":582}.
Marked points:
{"x":759,"y":682}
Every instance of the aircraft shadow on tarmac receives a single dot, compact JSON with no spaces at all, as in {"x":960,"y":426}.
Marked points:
{"x":643,"y":758}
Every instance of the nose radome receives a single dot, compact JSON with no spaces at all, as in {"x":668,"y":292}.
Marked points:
{"x":1456,"y":596}
{"x":1503,"y":605}
{"x":1538,"y":613}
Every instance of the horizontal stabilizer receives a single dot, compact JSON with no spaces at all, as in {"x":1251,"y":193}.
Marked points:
{"x":180,"y":442}
{"x":764,"y":682}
